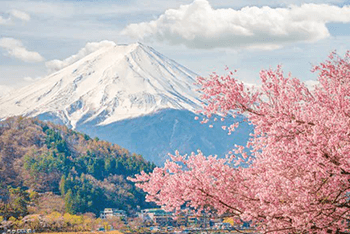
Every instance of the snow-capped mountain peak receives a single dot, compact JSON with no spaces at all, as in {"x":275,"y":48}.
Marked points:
{"x":108,"y":85}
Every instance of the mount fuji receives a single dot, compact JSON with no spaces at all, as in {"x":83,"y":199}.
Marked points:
{"x":130,"y":95}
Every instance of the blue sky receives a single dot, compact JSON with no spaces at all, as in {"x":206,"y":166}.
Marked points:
{"x":203,"y":35}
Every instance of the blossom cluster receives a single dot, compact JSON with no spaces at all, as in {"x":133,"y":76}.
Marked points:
{"x":298,"y":176}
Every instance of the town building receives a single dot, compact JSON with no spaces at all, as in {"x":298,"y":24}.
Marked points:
{"x":157,"y":216}
{"x":111,"y":212}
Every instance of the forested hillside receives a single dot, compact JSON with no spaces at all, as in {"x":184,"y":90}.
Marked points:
{"x":88,"y":174}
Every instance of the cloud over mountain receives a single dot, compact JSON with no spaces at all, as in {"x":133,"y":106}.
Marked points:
{"x":56,"y":65}
{"x":199,"y":25}
{"x":4,"y":89}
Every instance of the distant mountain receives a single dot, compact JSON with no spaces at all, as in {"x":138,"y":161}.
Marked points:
{"x":111,"y":84}
{"x":127,"y":94}
{"x":165,"y":131}
{"x":89,"y":173}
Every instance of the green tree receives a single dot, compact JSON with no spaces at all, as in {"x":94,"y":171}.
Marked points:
{"x":63,"y":185}
{"x":69,"y":202}
{"x":19,"y":199}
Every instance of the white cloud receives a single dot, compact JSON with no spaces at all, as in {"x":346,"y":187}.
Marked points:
{"x":4,"y":90}
{"x":55,"y":65}
{"x":15,"y":48}
{"x":310,"y":84}
{"x":198,"y":25}
{"x":31,"y":79}
{"x":14,"y":15}
{"x":20,"y":15}
{"x":3,"y":21}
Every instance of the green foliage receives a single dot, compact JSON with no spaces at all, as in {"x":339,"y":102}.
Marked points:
{"x":19,"y":200}
{"x":82,"y":195}
{"x":69,"y":202}
{"x":63,"y":187}
{"x":54,"y":140}
{"x":90,"y":174}
{"x":46,"y":163}
{"x":33,"y":195}
{"x":86,"y":137}
{"x":17,"y":203}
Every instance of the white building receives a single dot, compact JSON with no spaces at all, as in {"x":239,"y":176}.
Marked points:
{"x":157,"y":216}
{"x":111,"y":212}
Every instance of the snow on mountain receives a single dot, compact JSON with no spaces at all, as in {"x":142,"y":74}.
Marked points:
{"x":113,"y":83}
{"x":126,"y":94}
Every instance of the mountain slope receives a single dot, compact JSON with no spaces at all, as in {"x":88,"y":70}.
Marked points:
{"x":45,"y":157}
{"x":165,"y":131}
{"x":127,"y":94}
{"x":111,"y":84}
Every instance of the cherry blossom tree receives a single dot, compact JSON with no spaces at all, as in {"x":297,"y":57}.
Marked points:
{"x":298,"y":174}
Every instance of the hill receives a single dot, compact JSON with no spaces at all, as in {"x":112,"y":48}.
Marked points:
{"x":89,"y":174}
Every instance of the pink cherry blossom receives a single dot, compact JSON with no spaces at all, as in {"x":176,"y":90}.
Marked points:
{"x":298,"y":176}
